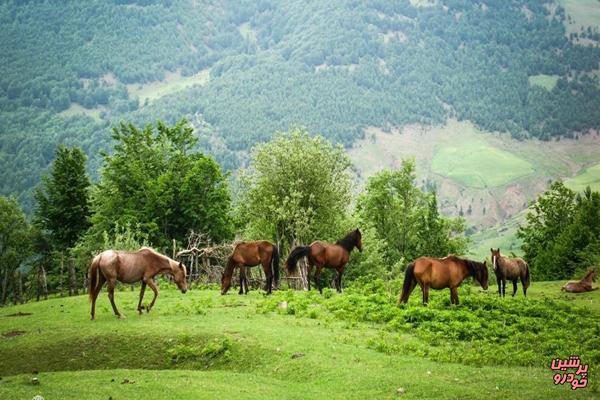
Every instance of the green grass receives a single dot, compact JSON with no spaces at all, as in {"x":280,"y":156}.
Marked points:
{"x":76,"y":109}
{"x":583,"y":12}
{"x":479,"y":165}
{"x":589,"y":177}
{"x":546,"y":81}
{"x":203,"y":345}
{"x":172,"y":83}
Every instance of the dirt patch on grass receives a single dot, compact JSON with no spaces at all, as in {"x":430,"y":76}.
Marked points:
{"x":11,"y":334}
{"x":19,"y":314}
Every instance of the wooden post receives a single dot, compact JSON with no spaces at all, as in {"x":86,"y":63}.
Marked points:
{"x":45,"y":283}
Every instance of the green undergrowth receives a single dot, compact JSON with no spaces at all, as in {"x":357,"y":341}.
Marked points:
{"x":482,"y":330}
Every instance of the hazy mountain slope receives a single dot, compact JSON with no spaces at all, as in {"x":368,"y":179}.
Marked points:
{"x":335,"y":67}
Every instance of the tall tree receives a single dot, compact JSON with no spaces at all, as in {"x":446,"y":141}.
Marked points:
{"x":63,"y":199}
{"x":297,"y":188}
{"x":63,"y":204}
{"x":407,"y":219}
{"x":14,"y":232}
{"x":154,"y":180}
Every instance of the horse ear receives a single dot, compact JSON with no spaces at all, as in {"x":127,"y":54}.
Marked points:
{"x":492,"y":250}
{"x":498,"y":249}
{"x":180,"y":265}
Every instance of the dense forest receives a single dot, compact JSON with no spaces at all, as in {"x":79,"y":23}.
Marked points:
{"x":334,"y":67}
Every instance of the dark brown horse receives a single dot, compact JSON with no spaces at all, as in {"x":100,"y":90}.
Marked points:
{"x":143,"y":265}
{"x":250,"y":254}
{"x":584,"y":285}
{"x":441,"y":273}
{"x":512,"y":269}
{"x":326,"y":255}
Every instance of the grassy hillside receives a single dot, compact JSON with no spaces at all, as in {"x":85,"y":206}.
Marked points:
{"x":589,"y":177}
{"x":203,"y":345}
{"x":243,"y":70}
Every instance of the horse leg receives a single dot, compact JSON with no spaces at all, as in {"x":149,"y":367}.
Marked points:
{"x":96,"y":292}
{"x":266,"y":264}
{"x":309,"y":272}
{"x":499,"y":282}
{"x":453,"y":295}
{"x":425,"y":288}
{"x":523,"y":281}
{"x":242,"y":279}
{"x":111,"y":296}
{"x":318,"y":278}
{"x":503,"y":287}
{"x":142,"y":290}
{"x":514,"y":282}
{"x":152,"y":285}
{"x":339,"y":280}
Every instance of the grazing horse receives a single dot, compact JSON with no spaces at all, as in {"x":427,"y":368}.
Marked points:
{"x":131,"y":267}
{"x":441,"y":273}
{"x":584,"y":285}
{"x":250,"y":254}
{"x":326,"y":255}
{"x":512,"y":269}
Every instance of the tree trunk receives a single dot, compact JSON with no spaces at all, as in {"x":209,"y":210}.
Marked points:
{"x":61,"y":276}
{"x":4,"y":288}
{"x":73,"y":291}
{"x":45,"y":283}
{"x":38,"y":285}
{"x":18,"y":292}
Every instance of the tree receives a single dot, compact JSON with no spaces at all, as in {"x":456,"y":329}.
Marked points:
{"x":407,"y":219}
{"x":562,"y":248}
{"x":156,"y":182}
{"x":63,"y":199}
{"x":14,"y":233}
{"x":296,"y":189}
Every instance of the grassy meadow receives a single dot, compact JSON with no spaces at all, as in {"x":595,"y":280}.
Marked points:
{"x":300,"y":345}
{"x":588,"y":177}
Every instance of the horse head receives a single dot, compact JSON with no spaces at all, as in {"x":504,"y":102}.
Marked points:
{"x":358,"y":239}
{"x":481,"y":274}
{"x":495,"y":258}
{"x":226,"y":276}
{"x":179,"y":276}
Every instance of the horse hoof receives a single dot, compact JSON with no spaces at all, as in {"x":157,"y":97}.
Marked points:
{"x":120,"y":316}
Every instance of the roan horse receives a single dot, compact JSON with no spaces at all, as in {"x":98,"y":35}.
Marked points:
{"x":249,"y":254}
{"x":512,"y":269}
{"x":326,"y":255}
{"x":441,"y":273}
{"x":584,"y":285}
{"x":131,"y":267}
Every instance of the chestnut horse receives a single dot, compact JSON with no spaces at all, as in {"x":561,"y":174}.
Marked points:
{"x":584,"y":285}
{"x":513,"y":269}
{"x":131,"y":267}
{"x":250,"y":254}
{"x":441,"y":273}
{"x":326,"y":255}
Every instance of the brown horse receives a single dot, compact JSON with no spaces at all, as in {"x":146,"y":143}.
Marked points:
{"x":441,"y":273}
{"x":326,"y":255}
{"x":250,"y":254}
{"x":512,"y":269}
{"x":584,"y":285}
{"x":131,"y":267}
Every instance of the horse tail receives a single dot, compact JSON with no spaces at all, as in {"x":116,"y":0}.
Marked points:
{"x":275,"y":264}
{"x":527,"y":276}
{"x":292,"y":261}
{"x":93,"y":277}
{"x":409,"y":278}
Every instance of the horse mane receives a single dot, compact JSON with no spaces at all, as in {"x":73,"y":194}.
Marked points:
{"x":472,"y":266}
{"x":348,"y":242}
{"x":587,"y":275}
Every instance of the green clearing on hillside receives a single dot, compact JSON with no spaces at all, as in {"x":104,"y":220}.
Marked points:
{"x":477,"y":164}
{"x":583,"y":12}
{"x":203,"y":345}
{"x":546,"y":81}
{"x":76,"y":109}
{"x":172,"y":83}
{"x":589,"y":177}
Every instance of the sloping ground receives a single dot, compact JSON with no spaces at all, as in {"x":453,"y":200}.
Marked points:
{"x":490,"y":177}
{"x":589,"y":177}
{"x":203,"y":345}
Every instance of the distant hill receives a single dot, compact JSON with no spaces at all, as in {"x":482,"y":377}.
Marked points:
{"x":241,"y":70}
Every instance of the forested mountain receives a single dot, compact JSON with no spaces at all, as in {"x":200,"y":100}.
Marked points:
{"x":335,"y":67}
